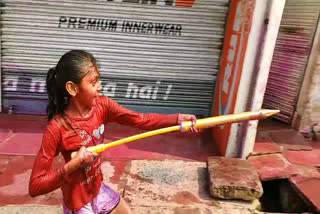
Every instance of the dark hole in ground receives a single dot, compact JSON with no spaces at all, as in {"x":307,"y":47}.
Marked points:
{"x":279,"y":196}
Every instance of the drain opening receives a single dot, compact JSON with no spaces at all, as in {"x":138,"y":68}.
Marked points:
{"x":279,"y":196}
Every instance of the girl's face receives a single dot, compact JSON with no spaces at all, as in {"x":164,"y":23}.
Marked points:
{"x":90,"y":88}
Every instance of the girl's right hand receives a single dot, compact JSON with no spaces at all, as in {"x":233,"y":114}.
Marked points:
{"x":84,"y":156}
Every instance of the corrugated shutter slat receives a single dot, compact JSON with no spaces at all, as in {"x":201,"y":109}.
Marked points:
{"x":297,"y":28}
{"x":173,"y":66}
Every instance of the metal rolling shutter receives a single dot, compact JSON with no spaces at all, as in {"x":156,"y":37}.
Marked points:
{"x":141,"y":66}
{"x":297,"y":29}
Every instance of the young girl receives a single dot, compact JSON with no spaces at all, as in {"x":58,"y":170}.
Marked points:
{"x":77,"y":115}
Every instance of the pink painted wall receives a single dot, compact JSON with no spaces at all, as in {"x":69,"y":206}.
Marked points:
{"x":315,"y":93}
{"x":311,"y":116}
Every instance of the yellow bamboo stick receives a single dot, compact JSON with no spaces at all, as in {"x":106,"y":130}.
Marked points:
{"x":200,"y":124}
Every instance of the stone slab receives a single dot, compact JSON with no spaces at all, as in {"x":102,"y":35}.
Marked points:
{"x":304,"y":157}
{"x":175,"y":185}
{"x":265,"y":147}
{"x":272,"y":166}
{"x":169,"y":183}
{"x":307,"y":171}
{"x":290,"y":139}
{"x":263,"y":136}
{"x":226,"y":208}
{"x":308,"y":188}
{"x":233,"y":178}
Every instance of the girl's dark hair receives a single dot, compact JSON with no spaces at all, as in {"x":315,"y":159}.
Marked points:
{"x":72,"y":66}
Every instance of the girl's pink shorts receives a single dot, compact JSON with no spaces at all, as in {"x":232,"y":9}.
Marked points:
{"x":104,"y":202}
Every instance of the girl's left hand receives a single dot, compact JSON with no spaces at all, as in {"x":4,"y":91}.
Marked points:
{"x":188,"y":117}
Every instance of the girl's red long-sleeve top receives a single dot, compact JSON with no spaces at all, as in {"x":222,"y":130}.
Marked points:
{"x":81,"y":186}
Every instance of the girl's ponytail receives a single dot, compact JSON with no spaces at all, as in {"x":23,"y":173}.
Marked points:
{"x":55,"y":103}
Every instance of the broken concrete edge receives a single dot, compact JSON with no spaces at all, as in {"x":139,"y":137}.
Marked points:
{"x":52,"y":209}
{"x":195,"y":210}
{"x":31,"y":209}
{"x":242,"y":193}
{"x":265,"y":147}
{"x":261,"y":154}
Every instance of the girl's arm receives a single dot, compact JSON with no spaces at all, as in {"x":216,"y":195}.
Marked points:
{"x":45,"y":179}
{"x":149,"y":121}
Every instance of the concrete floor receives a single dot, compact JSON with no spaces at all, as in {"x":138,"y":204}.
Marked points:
{"x":161,"y":174}
{"x":150,"y":186}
